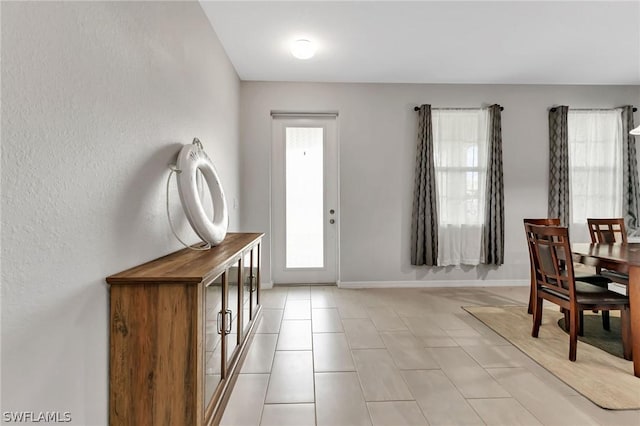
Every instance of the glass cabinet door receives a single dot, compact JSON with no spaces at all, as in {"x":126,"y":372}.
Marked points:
{"x":231,"y":302}
{"x":213,"y":337}
{"x":232,"y":337}
{"x":255,"y":280}
{"x":246,"y":293}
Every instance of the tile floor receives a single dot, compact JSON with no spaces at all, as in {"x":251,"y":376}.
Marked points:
{"x":329,"y":356}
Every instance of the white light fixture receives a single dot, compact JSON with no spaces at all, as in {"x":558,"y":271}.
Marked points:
{"x":635,"y":132}
{"x":303,"y":49}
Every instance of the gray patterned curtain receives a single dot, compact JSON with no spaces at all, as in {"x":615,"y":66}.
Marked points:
{"x":424,"y":218}
{"x":559,"y":164}
{"x":493,"y":230}
{"x":630,"y":186}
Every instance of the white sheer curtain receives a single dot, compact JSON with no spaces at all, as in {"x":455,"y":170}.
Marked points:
{"x":460,"y":159}
{"x":595,"y":167}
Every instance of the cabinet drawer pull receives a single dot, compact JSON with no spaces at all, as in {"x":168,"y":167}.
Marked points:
{"x":252,"y":280}
{"x":228,"y":330}
{"x":219,"y":322}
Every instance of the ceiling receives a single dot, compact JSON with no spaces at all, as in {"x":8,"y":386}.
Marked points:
{"x":501,"y":42}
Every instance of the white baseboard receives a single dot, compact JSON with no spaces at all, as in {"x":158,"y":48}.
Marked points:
{"x":422,"y":284}
{"x":433,"y":283}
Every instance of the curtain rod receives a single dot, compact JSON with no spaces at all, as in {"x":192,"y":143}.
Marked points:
{"x":591,"y":109}
{"x":304,"y":114}
{"x":418,"y":108}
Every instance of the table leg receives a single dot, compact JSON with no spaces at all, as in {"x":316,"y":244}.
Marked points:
{"x":634,"y":306}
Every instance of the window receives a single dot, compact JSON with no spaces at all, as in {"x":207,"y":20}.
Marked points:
{"x":460,"y":159}
{"x":595,"y":165}
{"x":304,"y":197}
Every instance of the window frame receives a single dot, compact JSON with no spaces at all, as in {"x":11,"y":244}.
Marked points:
{"x":615,"y":170}
{"x":480,"y":168}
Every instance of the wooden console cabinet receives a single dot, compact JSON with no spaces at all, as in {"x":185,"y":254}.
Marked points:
{"x":179,"y":326}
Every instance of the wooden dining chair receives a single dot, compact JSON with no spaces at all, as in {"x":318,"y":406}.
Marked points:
{"x":609,"y":231}
{"x":542,"y":222}
{"x":595,"y":279}
{"x":556,"y":283}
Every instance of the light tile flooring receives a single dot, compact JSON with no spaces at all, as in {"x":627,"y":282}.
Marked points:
{"x":329,"y":356}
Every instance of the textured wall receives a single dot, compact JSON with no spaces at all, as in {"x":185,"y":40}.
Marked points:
{"x":377,"y":137}
{"x":96,"y":98}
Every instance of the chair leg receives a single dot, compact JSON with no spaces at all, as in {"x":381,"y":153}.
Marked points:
{"x":567,"y":320}
{"x":573,"y":333}
{"x":605,"y":321}
{"x":581,"y":323}
{"x":625,"y":326}
{"x":532,"y":293}
{"x":537,"y":317}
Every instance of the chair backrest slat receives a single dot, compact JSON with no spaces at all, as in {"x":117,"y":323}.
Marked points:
{"x":547,"y":221}
{"x":607,"y":230}
{"x":550,"y":251}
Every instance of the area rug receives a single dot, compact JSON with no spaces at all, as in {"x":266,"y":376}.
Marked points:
{"x":594,"y":335}
{"x":605,"y":379}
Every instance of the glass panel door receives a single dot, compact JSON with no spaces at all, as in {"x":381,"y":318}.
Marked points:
{"x":246,"y":292}
{"x":255,"y":274}
{"x":232,"y":337}
{"x":213,"y":337}
{"x":304,"y":197}
{"x":304,"y":200}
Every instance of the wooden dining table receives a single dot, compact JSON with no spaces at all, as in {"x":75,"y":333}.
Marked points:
{"x":623,"y":258}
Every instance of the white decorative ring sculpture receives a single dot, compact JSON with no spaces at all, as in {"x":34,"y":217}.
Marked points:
{"x":191,"y":159}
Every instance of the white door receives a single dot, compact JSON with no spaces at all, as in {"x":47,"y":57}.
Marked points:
{"x":304,"y":191}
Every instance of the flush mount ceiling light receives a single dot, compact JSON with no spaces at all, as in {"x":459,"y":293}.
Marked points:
{"x":303,"y":49}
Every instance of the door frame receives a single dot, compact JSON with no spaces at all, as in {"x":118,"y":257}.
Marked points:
{"x":305,"y":118}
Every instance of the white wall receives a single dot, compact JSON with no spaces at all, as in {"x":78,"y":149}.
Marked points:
{"x":377,"y":153}
{"x":97,"y":97}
